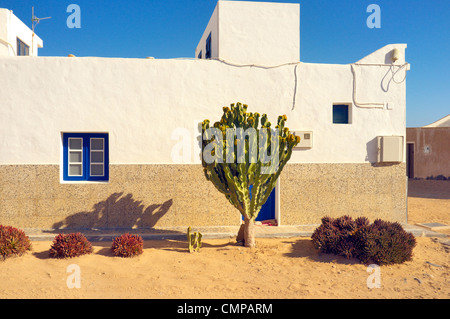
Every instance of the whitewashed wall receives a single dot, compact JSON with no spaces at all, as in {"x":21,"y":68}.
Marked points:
{"x":247,"y":32}
{"x":141,"y":103}
{"x":12,"y":28}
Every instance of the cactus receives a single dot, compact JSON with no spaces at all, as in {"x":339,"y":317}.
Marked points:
{"x":199,"y":241}
{"x":234,"y":157}
{"x":194,"y":240}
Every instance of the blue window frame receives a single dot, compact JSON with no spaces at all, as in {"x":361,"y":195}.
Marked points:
{"x":22,"y":48}
{"x":199,"y":55}
{"x":85,"y":157}
{"x":341,"y":114}
{"x":208,"y":47}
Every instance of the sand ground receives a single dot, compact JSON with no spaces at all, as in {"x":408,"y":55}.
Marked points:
{"x":277,"y":268}
{"x":429,"y":202}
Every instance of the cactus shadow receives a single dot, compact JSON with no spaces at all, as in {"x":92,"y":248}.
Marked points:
{"x":175,"y":245}
{"x":182,"y":246}
{"x":118,"y":211}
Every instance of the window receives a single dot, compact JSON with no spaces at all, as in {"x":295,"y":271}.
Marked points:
{"x":341,"y":114}
{"x":85,"y":157}
{"x":22,"y":48}
{"x":199,"y":55}
{"x":208,"y":47}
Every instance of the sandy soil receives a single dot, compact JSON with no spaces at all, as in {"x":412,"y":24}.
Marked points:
{"x":278,"y":268}
{"x":429,"y":202}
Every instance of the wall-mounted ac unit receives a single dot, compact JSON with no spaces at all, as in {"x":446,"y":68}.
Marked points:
{"x":390,"y":149}
{"x":306,"y":139}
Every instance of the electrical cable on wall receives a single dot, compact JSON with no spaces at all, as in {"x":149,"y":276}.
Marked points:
{"x":266,"y":67}
{"x":374,"y":105}
{"x":394,"y":73}
{"x":270,"y":67}
{"x":256,"y":65}
{"x":295,"y":87}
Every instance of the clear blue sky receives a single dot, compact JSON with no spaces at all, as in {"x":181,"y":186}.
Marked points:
{"x":331,"y":31}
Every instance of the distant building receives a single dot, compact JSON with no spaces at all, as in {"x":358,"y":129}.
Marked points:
{"x":428,"y":150}
{"x":16,"y":39}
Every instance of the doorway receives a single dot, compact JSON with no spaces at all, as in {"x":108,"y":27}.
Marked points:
{"x":268,"y":209}
{"x":410,"y":160}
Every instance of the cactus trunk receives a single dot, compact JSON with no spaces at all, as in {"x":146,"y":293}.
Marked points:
{"x":249,"y":232}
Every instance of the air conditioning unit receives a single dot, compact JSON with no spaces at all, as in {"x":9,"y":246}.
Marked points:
{"x":390,"y":149}
{"x":306,"y":139}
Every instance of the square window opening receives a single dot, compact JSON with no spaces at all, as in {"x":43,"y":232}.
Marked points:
{"x":341,"y":114}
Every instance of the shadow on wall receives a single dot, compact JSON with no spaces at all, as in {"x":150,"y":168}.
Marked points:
{"x":372,"y":150}
{"x":117,"y":211}
{"x":372,"y":154}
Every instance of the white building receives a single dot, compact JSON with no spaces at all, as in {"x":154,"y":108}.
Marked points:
{"x":113,"y":142}
{"x":245,"y":32}
{"x":16,"y":39}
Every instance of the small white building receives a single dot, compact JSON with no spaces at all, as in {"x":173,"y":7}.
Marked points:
{"x":243,"y":32}
{"x":97,"y":142}
{"x":16,"y":39}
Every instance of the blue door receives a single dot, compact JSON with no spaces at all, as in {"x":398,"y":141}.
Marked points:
{"x":268,"y":209}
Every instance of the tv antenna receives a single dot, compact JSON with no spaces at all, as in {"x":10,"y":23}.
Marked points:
{"x":34,"y":21}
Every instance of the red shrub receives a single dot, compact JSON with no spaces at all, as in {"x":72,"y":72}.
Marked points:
{"x":384,"y":243}
{"x":70,"y":245}
{"x":335,"y":235}
{"x":381,"y":242}
{"x":127,"y":245}
{"x":13,"y":241}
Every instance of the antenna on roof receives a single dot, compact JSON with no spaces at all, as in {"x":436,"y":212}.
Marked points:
{"x":34,"y":21}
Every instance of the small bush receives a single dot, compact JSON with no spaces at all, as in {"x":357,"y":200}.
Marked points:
{"x":70,"y":245}
{"x":127,"y":245}
{"x":335,"y":236}
{"x":13,"y":241}
{"x":381,"y":242}
{"x":384,"y":243}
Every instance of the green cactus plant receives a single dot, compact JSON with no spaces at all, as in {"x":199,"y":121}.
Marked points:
{"x":235,"y":157}
{"x":194,"y":240}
